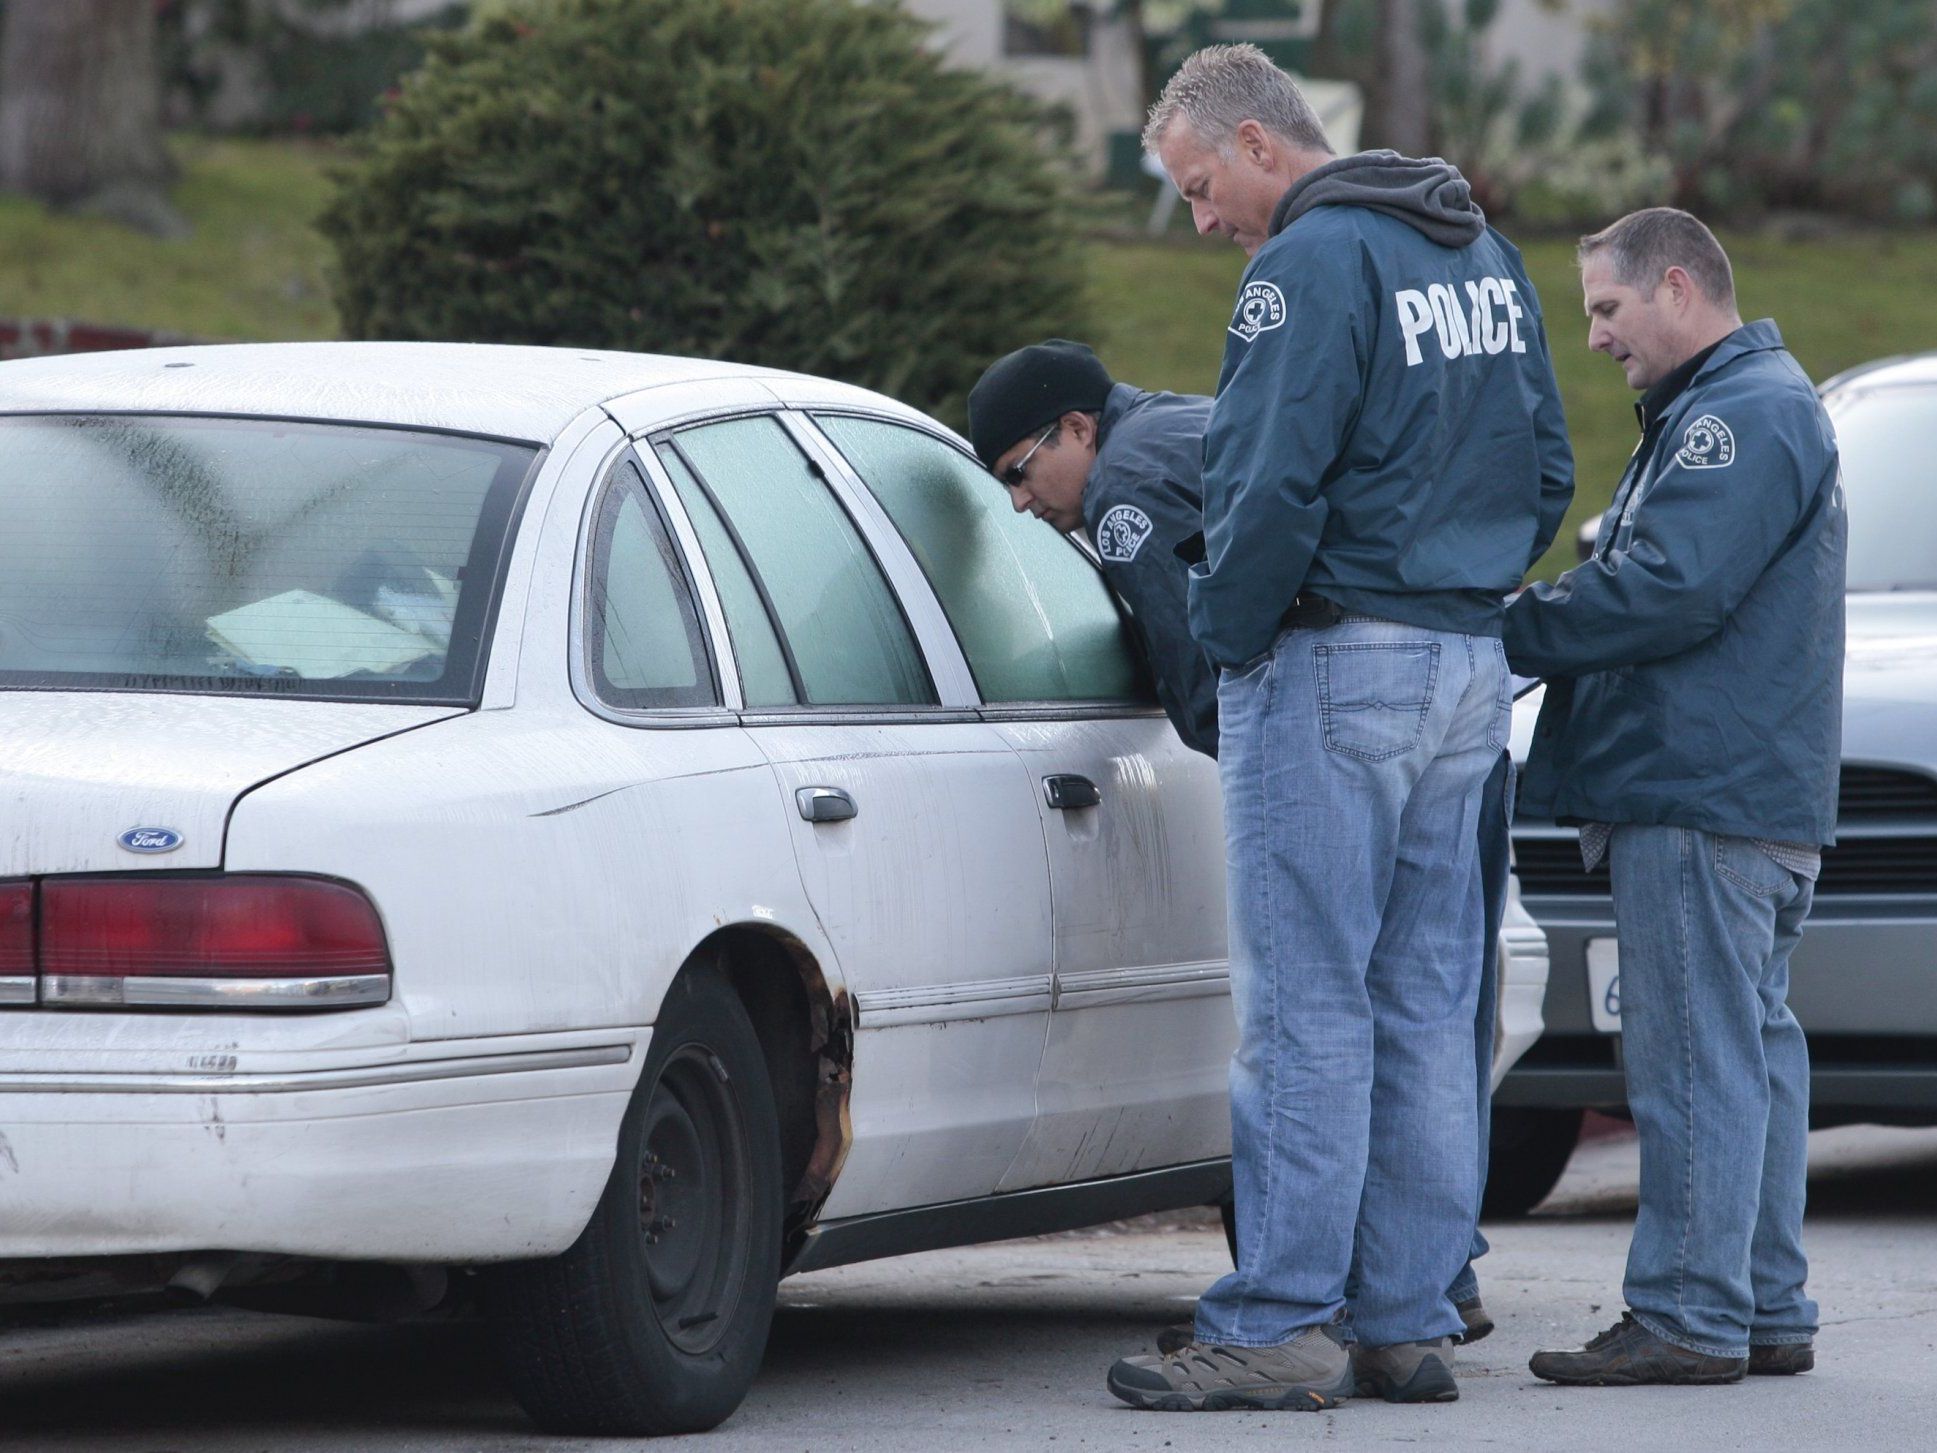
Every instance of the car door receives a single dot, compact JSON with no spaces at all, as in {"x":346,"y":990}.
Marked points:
{"x":1134,"y":1071}
{"x":913,"y":828}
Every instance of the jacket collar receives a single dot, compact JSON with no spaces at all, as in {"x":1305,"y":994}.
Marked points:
{"x":1116,"y":404}
{"x":1654,"y":403}
{"x":1756,"y":337}
{"x":1121,"y":398}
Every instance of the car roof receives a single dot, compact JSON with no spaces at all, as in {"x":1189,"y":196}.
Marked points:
{"x":502,"y":390}
{"x":1910,"y":368}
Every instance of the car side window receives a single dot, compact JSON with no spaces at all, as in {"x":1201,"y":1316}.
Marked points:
{"x":1034,"y":616}
{"x":643,"y":640}
{"x":837,"y":622}
{"x":764,"y":678}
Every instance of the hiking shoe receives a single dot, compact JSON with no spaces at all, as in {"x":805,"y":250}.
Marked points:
{"x":1472,"y":1311}
{"x":1781,"y":1359}
{"x":1407,"y":1372}
{"x":1628,"y":1354}
{"x":1176,"y":1339}
{"x":1311,"y":1372}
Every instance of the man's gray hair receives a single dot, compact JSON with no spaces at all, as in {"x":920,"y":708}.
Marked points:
{"x":1644,"y":245}
{"x":1222,"y":85}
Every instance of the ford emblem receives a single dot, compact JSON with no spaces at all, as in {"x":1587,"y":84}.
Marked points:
{"x":150,"y":839}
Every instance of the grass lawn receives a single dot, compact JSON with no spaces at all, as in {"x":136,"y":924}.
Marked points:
{"x":1162,"y":308}
{"x":255,"y":268}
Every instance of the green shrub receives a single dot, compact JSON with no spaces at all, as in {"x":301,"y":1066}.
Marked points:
{"x":795,"y":183}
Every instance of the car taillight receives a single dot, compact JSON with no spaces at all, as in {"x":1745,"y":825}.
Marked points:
{"x":16,"y":943}
{"x":243,"y":942}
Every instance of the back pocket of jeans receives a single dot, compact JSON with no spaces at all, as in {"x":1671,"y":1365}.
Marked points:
{"x":1749,"y":868}
{"x":1373,"y":696}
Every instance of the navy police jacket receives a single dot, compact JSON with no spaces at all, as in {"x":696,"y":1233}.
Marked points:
{"x":1143,"y":498}
{"x":1700,"y":651}
{"x":1387,"y":433}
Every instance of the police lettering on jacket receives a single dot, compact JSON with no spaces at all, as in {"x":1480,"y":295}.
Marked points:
{"x":1487,"y":322}
{"x":1387,"y":434}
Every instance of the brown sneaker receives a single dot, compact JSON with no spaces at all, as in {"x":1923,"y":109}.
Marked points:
{"x":1473,"y":1313}
{"x":1781,"y":1359}
{"x":1408,"y":1372}
{"x":1311,"y":1372}
{"x":1176,"y":1339}
{"x":1628,"y":1354}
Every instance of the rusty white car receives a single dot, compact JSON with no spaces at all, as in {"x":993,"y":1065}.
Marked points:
{"x":593,"y":832}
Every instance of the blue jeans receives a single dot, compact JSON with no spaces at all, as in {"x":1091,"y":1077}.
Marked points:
{"x":1354,"y":761}
{"x":1718,"y":1080}
{"x":1496,"y":862}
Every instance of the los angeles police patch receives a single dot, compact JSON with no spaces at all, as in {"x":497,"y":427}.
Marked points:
{"x":1708,"y":444}
{"x":1260,"y":307}
{"x":1121,"y":533}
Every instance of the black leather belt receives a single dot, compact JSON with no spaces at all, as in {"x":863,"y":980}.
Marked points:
{"x":1311,"y":613}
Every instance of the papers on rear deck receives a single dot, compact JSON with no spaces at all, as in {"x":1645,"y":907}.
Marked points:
{"x":316,"y":638}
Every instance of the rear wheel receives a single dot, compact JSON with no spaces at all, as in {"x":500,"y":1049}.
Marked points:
{"x":655,"y":1319}
{"x":1529,"y":1151}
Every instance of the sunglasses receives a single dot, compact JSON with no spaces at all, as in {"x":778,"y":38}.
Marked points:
{"x":1014,"y":475}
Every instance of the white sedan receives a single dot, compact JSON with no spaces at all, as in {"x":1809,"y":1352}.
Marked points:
{"x":609,"y":830}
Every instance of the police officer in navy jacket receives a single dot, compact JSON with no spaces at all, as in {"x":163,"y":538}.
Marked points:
{"x":1080,"y":451}
{"x":1385,"y":459}
{"x":1692,"y":728}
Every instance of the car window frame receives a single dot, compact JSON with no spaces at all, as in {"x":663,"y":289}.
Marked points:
{"x":712,"y":623}
{"x":612,"y":480}
{"x":1097,"y":709}
{"x":934,"y":643}
{"x":776,"y":627}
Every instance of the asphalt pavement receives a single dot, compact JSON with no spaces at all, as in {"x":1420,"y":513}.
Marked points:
{"x":1004,"y":1347}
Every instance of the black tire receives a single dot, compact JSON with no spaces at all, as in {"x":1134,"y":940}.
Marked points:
{"x":655,"y":1320}
{"x":1529,"y":1151}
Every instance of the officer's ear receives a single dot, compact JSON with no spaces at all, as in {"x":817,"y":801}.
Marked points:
{"x":1681,"y":288}
{"x":1253,"y":140}
{"x":1080,"y":430}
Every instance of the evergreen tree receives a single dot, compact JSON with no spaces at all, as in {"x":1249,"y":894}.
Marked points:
{"x":795,"y":183}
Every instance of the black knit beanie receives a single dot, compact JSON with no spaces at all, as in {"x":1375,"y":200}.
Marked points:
{"x":1028,"y":390}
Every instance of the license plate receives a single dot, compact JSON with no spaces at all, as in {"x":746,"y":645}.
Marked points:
{"x":1604,"y":985}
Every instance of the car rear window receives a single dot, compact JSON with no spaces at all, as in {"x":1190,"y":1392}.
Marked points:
{"x":226,"y":555}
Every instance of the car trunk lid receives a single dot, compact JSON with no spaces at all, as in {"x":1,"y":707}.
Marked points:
{"x":97,"y":781}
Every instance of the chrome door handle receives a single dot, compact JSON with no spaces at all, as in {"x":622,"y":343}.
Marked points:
{"x":824,"y":804}
{"x":1067,"y":791}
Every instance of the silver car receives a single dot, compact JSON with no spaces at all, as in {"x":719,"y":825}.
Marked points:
{"x":1864,"y":980}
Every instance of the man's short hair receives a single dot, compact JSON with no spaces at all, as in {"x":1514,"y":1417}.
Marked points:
{"x":1222,"y":85}
{"x":1644,"y":245}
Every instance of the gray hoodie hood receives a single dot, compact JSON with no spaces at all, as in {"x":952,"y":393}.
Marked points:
{"x":1424,"y":192}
